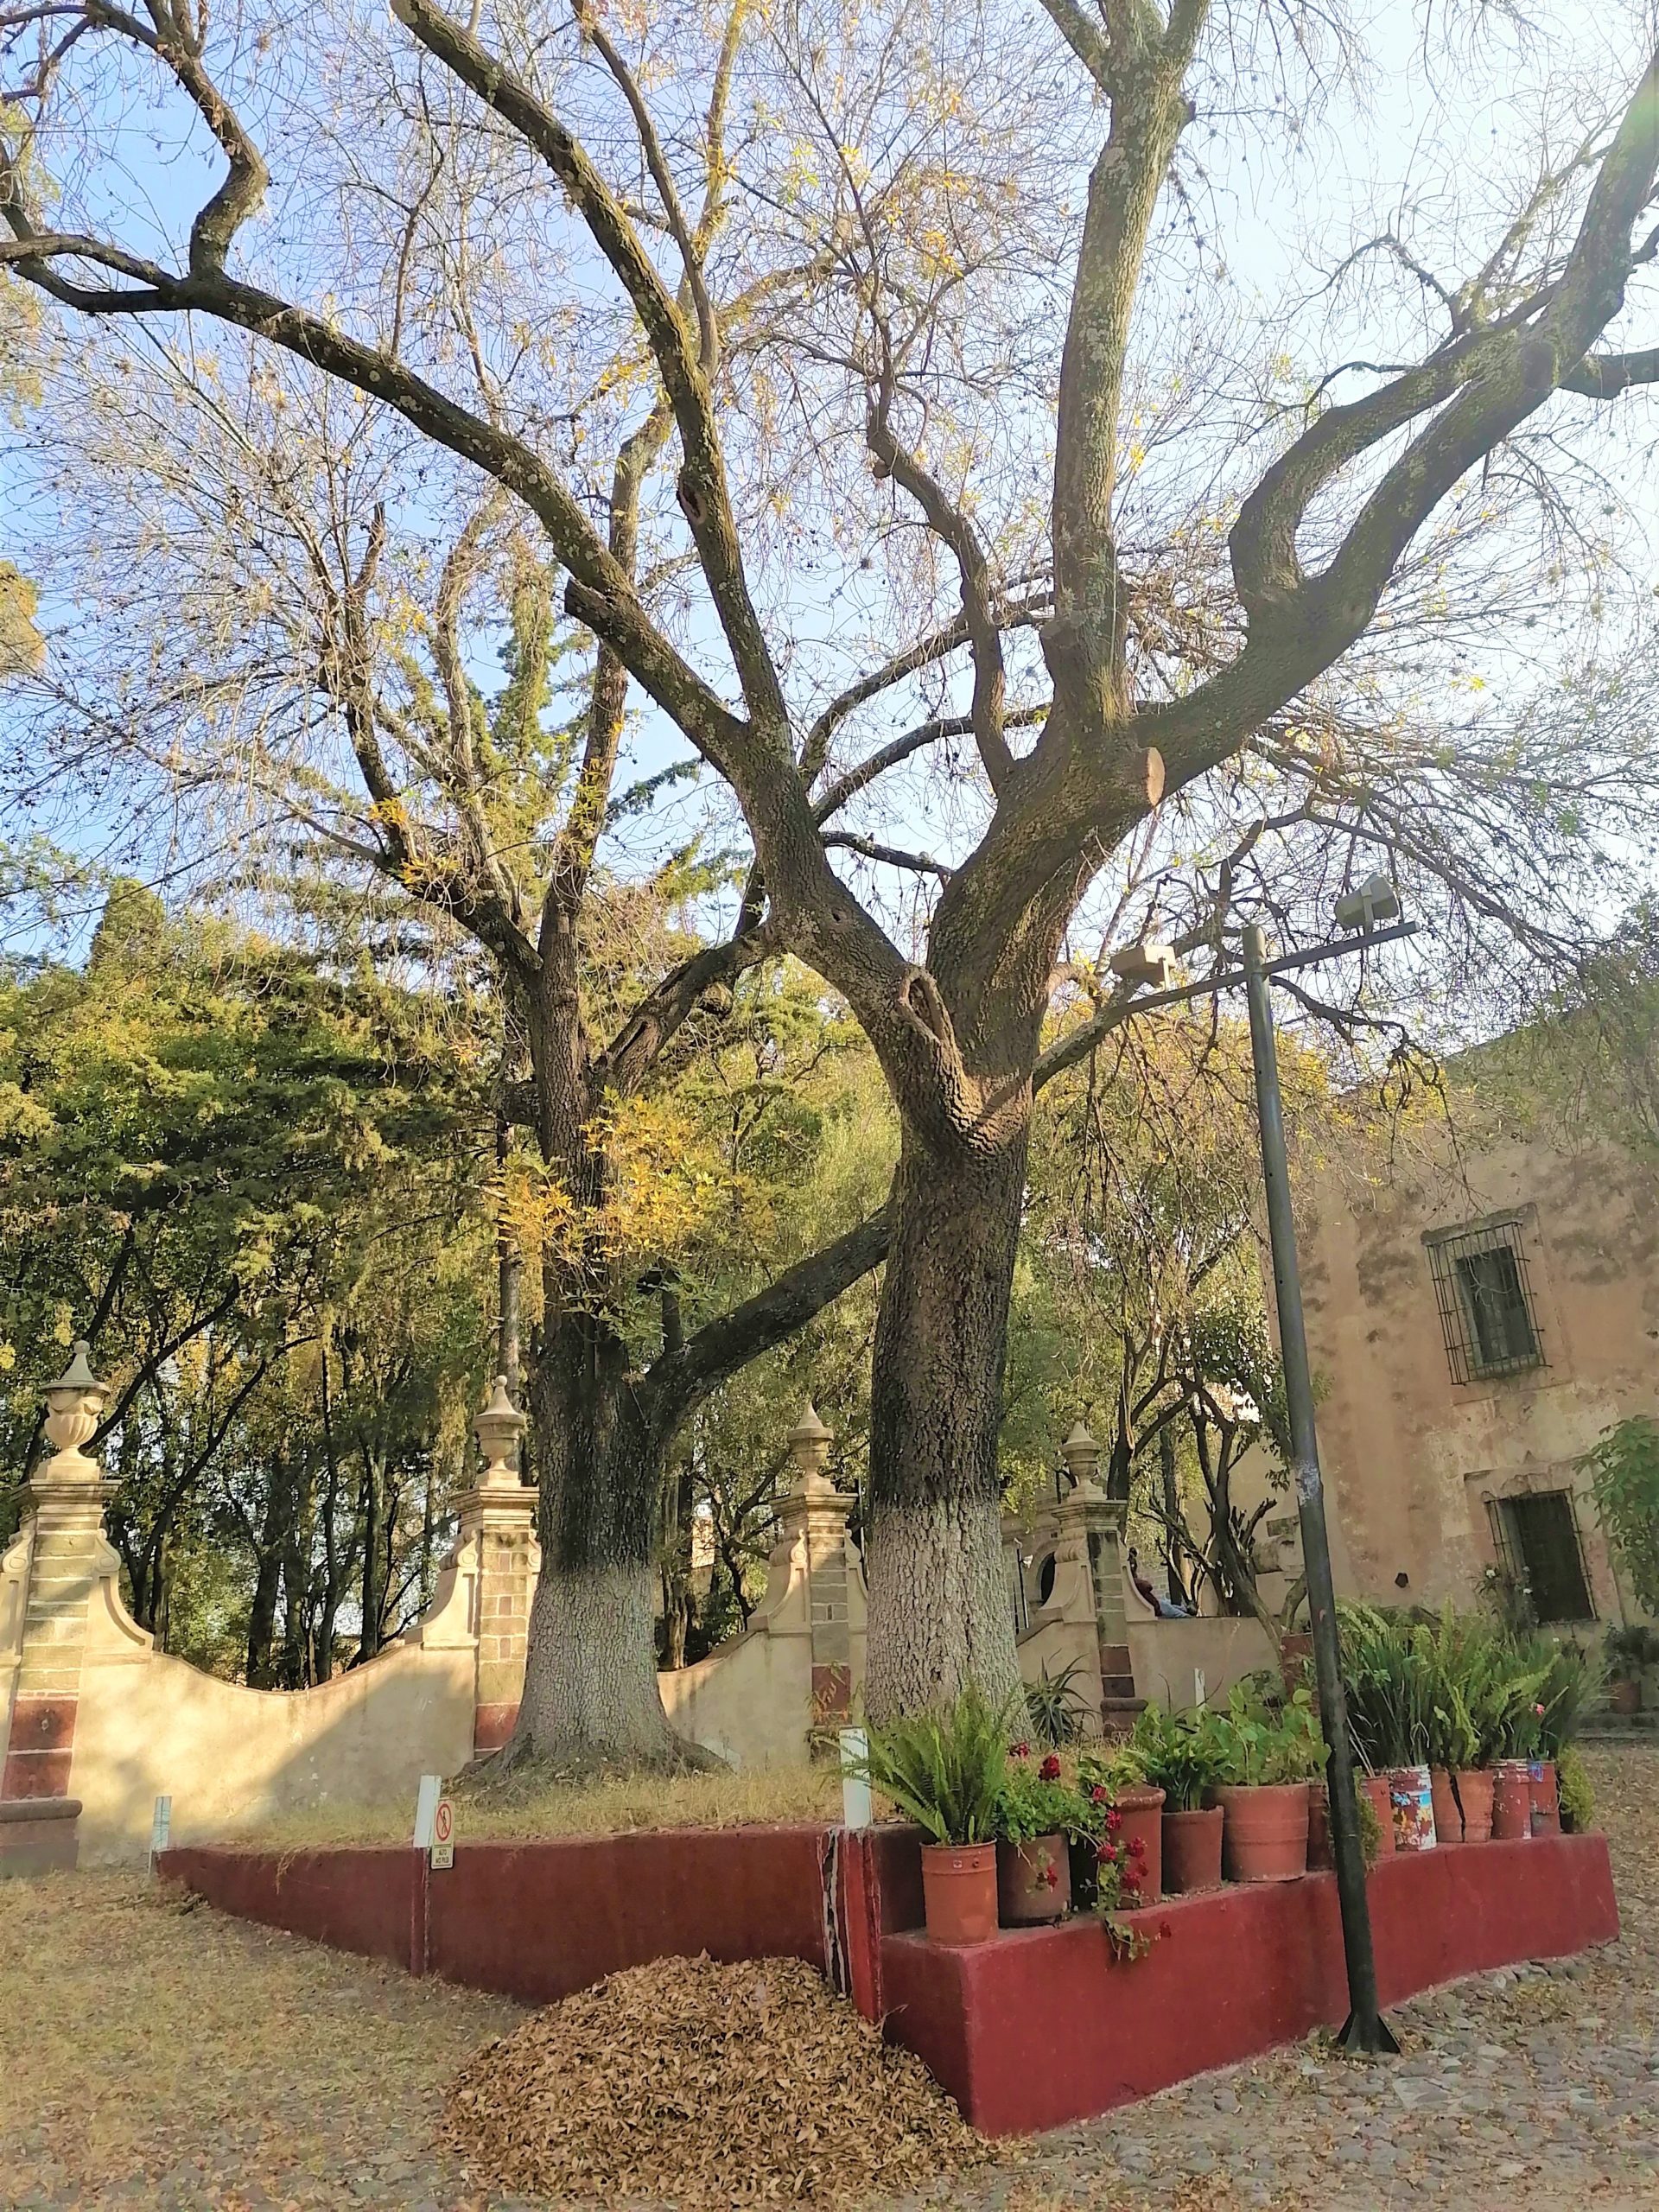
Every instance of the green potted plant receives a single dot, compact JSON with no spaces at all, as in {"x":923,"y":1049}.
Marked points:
{"x":1268,"y":1758}
{"x":1573,"y":1678}
{"x":1180,"y":1753}
{"x":1037,"y":1813}
{"x":945,"y":1770}
{"x":1456,"y":1654}
{"x":1628,"y":1649}
{"x":1494,"y":1689}
{"x":1388,"y":1676}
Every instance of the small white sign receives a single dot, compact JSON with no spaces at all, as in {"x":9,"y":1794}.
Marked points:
{"x":426,"y":1803}
{"x":855,"y":1809}
{"x":443,"y":1833}
{"x":1198,"y":1686}
{"x":161,"y":1828}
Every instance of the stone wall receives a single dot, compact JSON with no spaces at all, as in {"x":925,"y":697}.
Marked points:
{"x":98,"y":1724}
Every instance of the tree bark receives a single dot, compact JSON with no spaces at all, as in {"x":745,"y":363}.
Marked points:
{"x":1171,"y":1496}
{"x":590,"y":1696}
{"x":373,"y":1596}
{"x":939,"y":1612}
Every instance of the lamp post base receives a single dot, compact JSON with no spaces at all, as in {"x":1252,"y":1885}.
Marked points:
{"x":1368,"y":2034}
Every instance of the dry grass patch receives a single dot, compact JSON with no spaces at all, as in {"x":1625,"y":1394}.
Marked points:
{"x":144,"y":2040}
{"x":705,"y":2086}
{"x":523,"y":1807}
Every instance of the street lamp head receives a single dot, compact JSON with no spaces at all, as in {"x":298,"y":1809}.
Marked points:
{"x":1151,"y":963}
{"x":1375,"y":902}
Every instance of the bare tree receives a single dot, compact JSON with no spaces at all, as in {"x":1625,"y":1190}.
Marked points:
{"x":887,"y":187}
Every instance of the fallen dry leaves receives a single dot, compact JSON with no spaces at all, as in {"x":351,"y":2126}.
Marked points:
{"x":709,"y":2086}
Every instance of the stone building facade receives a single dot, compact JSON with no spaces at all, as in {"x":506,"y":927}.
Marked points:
{"x":1482,"y":1302}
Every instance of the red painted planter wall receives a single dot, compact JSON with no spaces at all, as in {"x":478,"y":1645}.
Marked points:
{"x":360,"y":1900}
{"x":535,"y":1921}
{"x":1037,"y":2028}
{"x":1042,"y":2026}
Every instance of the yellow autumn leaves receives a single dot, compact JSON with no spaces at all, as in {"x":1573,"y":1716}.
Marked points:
{"x":666,"y":1185}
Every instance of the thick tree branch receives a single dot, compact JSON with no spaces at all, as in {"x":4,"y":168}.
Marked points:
{"x":637,"y":1045}
{"x":949,"y":521}
{"x":1604,"y":376}
{"x":677,"y":1382}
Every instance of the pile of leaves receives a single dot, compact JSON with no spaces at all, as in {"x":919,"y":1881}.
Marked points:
{"x":709,"y":2086}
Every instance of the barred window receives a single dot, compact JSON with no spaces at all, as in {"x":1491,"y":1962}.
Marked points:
{"x":1536,"y":1537}
{"x":1487,"y":1315}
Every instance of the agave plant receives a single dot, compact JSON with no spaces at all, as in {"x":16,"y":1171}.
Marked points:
{"x":944,"y":1769}
{"x":1056,"y":1706}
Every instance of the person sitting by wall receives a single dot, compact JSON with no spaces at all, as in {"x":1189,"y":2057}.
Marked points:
{"x":1165,"y":1608}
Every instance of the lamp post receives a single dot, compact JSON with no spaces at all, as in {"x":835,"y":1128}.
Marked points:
{"x":1360,"y":913}
{"x":1365,"y":2028}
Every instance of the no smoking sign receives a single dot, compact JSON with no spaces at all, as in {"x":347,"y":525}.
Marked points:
{"x":443,"y":1833}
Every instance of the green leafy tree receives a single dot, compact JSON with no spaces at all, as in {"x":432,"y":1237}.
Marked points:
{"x":222,"y":1165}
{"x":1624,"y":1470}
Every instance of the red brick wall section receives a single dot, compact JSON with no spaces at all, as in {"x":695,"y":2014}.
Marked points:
{"x":1035,"y":2029}
{"x":41,"y":1747}
{"x":535,"y":1921}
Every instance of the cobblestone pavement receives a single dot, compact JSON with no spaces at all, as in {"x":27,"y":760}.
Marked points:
{"x":162,"y":2061}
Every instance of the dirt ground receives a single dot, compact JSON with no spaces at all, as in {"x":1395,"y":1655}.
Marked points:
{"x":154,"y":2057}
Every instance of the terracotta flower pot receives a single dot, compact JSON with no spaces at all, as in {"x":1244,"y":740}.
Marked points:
{"x":1375,"y":1787}
{"x":1264,"y":1836}
{"x":1448,"y":1814}
{"x":1413,"y":1799}
{"x":1033,"y":1881}
{"x":1511,"y":1801}
{"x":959,"y":1892}
{"x":1143,"y":1824}
{"x":1192,"y":1850}
{"x":1625,"y":1698}
{"x":1475,"y":1790}
{"x":1546,"y":1802}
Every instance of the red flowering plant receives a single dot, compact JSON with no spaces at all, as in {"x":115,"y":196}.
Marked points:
{"x":1036,"y":1802}
{"x":1036,"y":1799}
{"x":1120,"y":1848}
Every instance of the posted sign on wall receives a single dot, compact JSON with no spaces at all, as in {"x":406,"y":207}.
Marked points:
{"x":443,"y":1833}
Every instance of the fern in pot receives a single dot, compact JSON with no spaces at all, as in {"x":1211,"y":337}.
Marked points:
{"x":945,"y":1770}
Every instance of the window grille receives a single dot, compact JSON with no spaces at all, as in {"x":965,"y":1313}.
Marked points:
{"x":1542,"y":1554}
{"x":1489,"y":1317}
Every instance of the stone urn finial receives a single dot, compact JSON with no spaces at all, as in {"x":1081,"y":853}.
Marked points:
{"x":1082,"y":1456}
{"x":809,"y":1444}
{"x":75,"y":1401}
{"x":498,"y":1429}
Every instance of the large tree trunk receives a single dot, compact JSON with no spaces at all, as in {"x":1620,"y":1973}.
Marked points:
{"x":590,"y":1696}
{"x":940,"y":1609}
